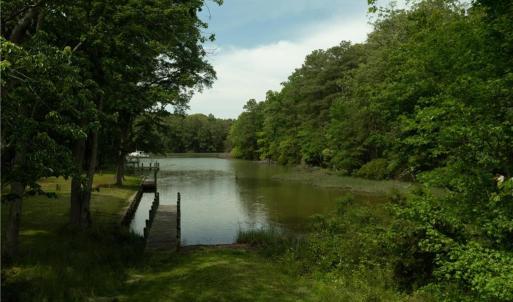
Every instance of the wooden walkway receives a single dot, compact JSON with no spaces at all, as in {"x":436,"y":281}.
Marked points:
{"x":164,"y":231}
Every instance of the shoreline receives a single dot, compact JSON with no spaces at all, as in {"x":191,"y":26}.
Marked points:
{"x":324,"y":178}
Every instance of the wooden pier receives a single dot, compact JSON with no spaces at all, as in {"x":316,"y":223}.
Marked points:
{"x":163,"y":231}
{"x":135,"y":165}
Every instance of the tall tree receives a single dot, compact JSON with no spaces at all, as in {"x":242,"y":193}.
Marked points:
{"x":41,"y":91}
{"x":161,"y":61}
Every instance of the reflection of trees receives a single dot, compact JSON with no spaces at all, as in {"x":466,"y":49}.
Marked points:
{"x":248,"y":195}
{"x":285,"y":204}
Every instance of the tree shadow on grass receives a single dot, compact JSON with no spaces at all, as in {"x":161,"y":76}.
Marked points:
{"x":208,"y":275}
{"x":59,"y":263}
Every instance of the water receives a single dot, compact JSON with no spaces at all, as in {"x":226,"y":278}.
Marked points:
{"x":141,"y":214}
{"x":222,"y":196}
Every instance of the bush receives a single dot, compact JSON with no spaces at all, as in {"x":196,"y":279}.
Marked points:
{"x":439,"y":249}
{"x":236,"y":153}
{"x":375,"y":169}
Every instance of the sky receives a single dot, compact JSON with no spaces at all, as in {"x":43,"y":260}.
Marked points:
{"x":259,"y":43}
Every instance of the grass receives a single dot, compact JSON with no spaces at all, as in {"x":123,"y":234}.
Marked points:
{"x":220,"y":274}
{"x":328,"y":179}
{"x":57,"y":263}
{"x":346,"y":250}
{"x":269,"y":241}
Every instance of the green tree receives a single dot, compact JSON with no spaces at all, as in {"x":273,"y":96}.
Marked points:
{"x":243,"y":131}
{"x":82,"y":64}
{"x":44,"y":101}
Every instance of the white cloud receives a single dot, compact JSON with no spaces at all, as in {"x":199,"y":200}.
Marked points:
{"x":243,"y":73}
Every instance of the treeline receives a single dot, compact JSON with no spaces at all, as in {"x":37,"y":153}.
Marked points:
{"x":78,"y":77}
{"x":428,"y":97}
{"x":178,"y":133}
{"x":162,"y":132}
{"x":196,"y":133}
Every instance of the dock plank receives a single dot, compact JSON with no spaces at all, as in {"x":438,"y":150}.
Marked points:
{"x":163,"y":232}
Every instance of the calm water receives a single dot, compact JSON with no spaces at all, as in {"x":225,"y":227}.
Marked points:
{"x":222,"y":196}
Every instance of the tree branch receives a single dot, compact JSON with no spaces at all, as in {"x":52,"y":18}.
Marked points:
{"x":20,"y":30}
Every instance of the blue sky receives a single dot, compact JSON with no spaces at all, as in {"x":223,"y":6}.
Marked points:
{"x":260,"y":42}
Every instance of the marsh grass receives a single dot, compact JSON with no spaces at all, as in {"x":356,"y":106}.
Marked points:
{"x":330,"y":179}
{"x":270,"y":241}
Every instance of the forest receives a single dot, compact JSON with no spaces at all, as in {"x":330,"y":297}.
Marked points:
{"x":428,"y":98}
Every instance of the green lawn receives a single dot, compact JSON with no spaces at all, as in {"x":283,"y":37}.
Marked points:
{"x":57,"y":263}
{"x":221,"y":274}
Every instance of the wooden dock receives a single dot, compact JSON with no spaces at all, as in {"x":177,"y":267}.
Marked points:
{"x":149,"y":185}
{"x":134,"y":165}
{"x":164,"y":231}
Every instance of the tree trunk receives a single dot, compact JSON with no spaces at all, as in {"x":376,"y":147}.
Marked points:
{"x":19,"y":31}
{"x":13,"y":225}
{"x":85,"y":220}
{"x":120,"y":162}
{"x":77,"y":187}
{"x":120,"y":169}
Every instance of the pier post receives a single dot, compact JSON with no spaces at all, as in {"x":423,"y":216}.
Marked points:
{"x":155,"y":177}
{"x":178,"y":222}
{"x":146,"y":228}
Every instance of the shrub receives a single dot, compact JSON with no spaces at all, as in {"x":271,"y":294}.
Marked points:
{"x":236,"y":153}
{"x":375,"y":169}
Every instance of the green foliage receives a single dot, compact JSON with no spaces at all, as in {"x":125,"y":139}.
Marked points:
{"x":270,"y":241}
{"x":348,"y":247}
{"x":41,"y":93}
{"x":243,"y":132}
{"x":426,"y":98}
{"x":464,"y":252}
{"x":76,"y":70}
{"x":375,"y":169}
{"x":195,"y":133}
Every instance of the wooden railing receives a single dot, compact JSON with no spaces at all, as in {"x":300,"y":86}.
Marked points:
{"x":138,"y":166}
